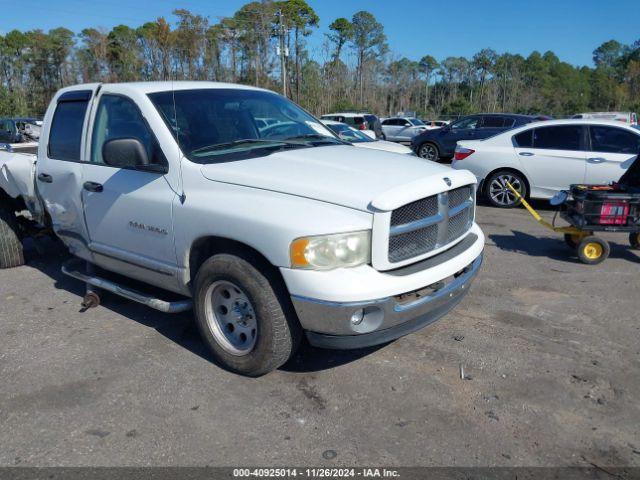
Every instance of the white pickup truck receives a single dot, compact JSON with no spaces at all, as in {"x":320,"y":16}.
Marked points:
{"x":265,"y":232}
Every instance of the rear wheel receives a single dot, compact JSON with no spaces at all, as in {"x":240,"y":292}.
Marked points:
{"x":429,"y":151}
{"x":241,"y":318}
{"x":499,"y":194}
{"x":634,"y":240}
{"x":11,"y":253}
{"x":593,"y":250}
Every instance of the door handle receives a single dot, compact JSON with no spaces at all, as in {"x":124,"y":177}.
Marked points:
{"x":596,"y":160}
{"x":93,"y":186}
{"x":45,"y":178}
{"x":526,"y":154}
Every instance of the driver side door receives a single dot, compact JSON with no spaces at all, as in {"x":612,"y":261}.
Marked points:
{"x":128,"y":211}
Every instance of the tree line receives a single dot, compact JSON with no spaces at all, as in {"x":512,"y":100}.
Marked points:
{"x":354,"y":68}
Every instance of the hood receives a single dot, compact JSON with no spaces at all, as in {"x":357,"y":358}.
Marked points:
{"x":343,"y":175}
{"x":384,"y":145}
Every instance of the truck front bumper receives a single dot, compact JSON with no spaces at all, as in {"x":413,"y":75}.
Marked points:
{"x":383,"y":319}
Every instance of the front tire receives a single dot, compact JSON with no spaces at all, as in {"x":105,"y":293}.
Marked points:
{"x":241,"y":318}
{"x":11,"y":252}
{"x":429,"y":151}
{"x":497,"y":192}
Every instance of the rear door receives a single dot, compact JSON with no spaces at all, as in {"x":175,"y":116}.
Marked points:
{"x":492,"y":125}
{"x":59,"y":167}
{"x":390,"y":128}
{"x":464,"y":129}
{"x":611,"y":150}
{"x":553,"y":157}
{"x":128,"y":211}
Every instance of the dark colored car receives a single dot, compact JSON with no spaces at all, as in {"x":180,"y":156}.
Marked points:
{"x":439,"y":144}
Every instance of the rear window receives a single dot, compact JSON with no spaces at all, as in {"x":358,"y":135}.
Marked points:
{"x":558,"y":138}
{"x":493,"y":122}
{"x":614,"y":140}
{"x":354,"y":120}
{"x":66,"y":130}
{"x":524,"y":139}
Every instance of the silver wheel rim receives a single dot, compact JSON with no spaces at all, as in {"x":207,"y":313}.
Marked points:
{"x":428,"y":152}
{"x":231,"y":317}
{"x":500,"y":193}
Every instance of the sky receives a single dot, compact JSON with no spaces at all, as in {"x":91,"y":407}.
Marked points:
{"x":414,"y":28}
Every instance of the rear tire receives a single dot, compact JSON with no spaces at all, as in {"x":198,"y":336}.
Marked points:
{"x":11,"y":252}
{"x":593,"y":250}
{"x":248,"y":327}
{"x":497,"y":192}
{"x":429,"y":151}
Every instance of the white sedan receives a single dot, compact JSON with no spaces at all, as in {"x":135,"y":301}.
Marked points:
{"x":360,"y":139}
{"x":540,"y":159}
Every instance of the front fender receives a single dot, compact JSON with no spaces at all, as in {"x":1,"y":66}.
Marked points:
{"x":264,"y":220}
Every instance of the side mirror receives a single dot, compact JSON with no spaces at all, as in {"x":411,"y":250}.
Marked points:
{"x":125,"y":153}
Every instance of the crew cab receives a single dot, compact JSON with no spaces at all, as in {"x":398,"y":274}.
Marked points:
{"x":266,"y":233}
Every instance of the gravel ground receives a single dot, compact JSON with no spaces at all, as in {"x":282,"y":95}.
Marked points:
{"x":549,"y":348}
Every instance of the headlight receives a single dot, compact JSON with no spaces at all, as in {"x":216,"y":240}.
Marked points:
{"x":325,"y":252}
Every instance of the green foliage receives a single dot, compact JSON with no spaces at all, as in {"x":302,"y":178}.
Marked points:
{"x":242,"y":48}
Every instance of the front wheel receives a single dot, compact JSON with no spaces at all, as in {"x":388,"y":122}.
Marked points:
{"x":499,"y":194}
{"x":429,"y":151}
{"x":241,"y":317}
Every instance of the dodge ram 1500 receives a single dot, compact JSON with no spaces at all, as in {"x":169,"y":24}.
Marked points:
{"x":268,"y":232}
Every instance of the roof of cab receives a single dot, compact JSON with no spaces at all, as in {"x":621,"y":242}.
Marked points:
{"x":163,"y":86}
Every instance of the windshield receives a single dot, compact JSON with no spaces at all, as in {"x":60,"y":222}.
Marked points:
{"x":348,"y":134}
{"x":416,"y":121}
{"x":214,"y":125}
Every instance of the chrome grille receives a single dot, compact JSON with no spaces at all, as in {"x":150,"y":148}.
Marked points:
{"x":404,"y":245}
{"x":426,"y":207}
{"x":458,"y":224}
{"x":458,"y":196}
{"x":430,"y":223}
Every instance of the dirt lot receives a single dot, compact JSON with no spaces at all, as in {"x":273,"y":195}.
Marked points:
{"x":549,"y":347}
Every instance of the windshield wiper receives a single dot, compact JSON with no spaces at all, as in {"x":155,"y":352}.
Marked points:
{"x":235,"y":143}
{"x":316,"y":136}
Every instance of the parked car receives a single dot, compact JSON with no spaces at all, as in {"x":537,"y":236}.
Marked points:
{"x":541,"y":159}
{"x":402,"y":129}
{"x":439,"y":144}
{"x":266,"y":234}
{"x":359,"y":139}
{"x":17,"y":130}
{"x":627,"y":117}
{"x":359,"y":121}
{"x":433,"y":124}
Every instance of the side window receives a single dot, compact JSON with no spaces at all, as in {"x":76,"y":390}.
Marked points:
{"x":558,"y":138}
{"x":65,"y":135}
{"x":509,"y":122}
{"x":388,"y":122}
{"x":5,"y":131}
{"x":492,"y":122}
{"x":466,"y":123}
{"x":614,"y":140}
{"x":523,"y":139}
{"x":119,"y":117}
